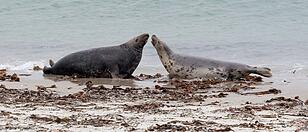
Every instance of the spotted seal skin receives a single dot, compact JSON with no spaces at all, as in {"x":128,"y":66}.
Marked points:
{"x":105,"y":62}
{"x":189,"y":67}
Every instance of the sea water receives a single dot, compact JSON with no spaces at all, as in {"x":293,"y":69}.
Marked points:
{"x":271,"y":33}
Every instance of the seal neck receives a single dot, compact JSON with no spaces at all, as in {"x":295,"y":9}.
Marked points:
{"x":164,"y":51}
{"x":133,"y":47}
{"x":165,"y":56}
{"x":168,"y":50}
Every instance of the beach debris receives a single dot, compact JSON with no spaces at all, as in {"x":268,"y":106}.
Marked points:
{"x":41,"y":88}
{"x":115,"y":87}
{"x":270,"y":91}
{"x":213,"y":103}
{"x":143,"y":107}
{"x":164,"y":100}
{"x":37,"y":68}
{"x":227,"y":129}
{"x":55,"y":119}
{"x":181,"y":91}
{"x":256,"y":125}
{"x":222,"y":95}
{"x":14,"y":78}
{"x":75,"y":76}
{"x":11,"y":78}
{"x":285,"y":81}
{"x":2,"y":71}
{"x":197,"y":125}
{"x":248,"y":102}
{"x":236,"y":88}
{"x":167,"y":127}
{"x":301,"y":124}
{"x":161,"y":81}
{"x":24,"y":74}
{"x":89,"y":84}
{"x":72,"y":120}
{"x":282,"y":99}
{"x":96,"y":122}
{"x":2,"y":88}
{"x":44,"y":88}
{"x":5,"y":113}
{"x":278,"y":106}
{"x":2,"y":74}
{"x":146,"y":76}
{"x":254,"y":78}
{"x":52,"y":86}
{"x":2,"y":78}
{"x":79,"y":95}
{"x":193,"y":85}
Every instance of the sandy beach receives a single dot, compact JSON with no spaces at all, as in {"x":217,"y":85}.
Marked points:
{"x":151,"y":103}
{"x":258,"y":33}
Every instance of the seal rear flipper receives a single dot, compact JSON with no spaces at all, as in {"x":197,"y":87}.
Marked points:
{"x":47,"y":70}
{"x":263,"y":71}
{"x":51,"y":62}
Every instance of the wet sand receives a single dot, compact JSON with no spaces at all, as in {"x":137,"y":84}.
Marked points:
{"x":152,"y":103}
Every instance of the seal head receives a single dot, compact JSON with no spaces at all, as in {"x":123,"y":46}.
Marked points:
{"x":164,"y":52}
{"x":138,"y":42}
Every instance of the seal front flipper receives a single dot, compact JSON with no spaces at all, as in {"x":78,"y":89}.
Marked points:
{"x":115,"y":73}
{"x":263,"y":71}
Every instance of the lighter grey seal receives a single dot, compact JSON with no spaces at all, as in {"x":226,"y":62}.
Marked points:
{"x":190,"y":67}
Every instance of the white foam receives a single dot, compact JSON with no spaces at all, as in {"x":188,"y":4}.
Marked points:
{"x":22,"y":67}
{"x":297,"y":67}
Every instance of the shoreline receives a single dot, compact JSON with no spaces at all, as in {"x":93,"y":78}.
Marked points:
{"x":153,"y":104}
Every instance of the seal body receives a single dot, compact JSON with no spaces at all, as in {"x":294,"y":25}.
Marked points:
{"x":189,"y":67}
{"x":105,"y":62}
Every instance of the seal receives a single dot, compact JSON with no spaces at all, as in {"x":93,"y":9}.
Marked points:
{"x":104,"y":62}
{"x":189,"y":67}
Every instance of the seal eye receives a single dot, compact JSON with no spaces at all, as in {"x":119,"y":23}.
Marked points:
{"x":136,"y":40}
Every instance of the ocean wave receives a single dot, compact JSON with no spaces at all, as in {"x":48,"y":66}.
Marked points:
{"x":297,"y":67}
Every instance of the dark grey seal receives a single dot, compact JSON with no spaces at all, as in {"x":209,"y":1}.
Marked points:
{"x":105,"y":62}
{"x":189,"y":67}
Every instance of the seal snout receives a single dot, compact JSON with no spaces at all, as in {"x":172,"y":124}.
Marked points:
{"x":154,"y":40}
{"x":145,"y":36}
